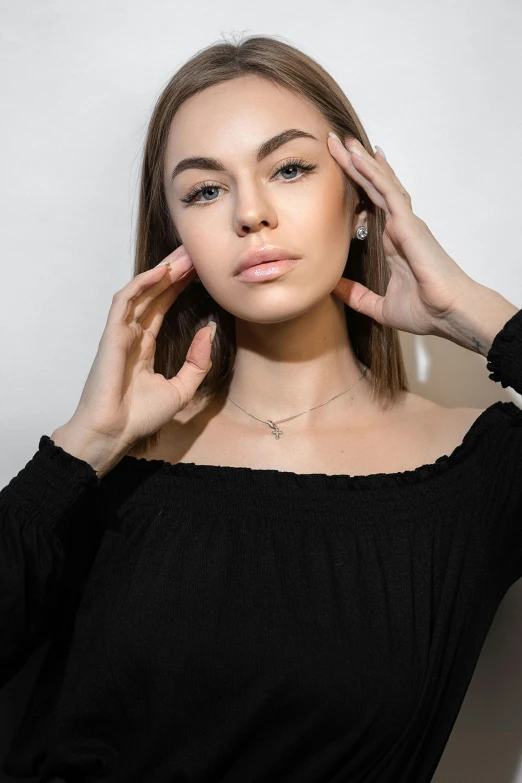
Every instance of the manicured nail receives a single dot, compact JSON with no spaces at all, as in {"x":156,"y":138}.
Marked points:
{"x":213,"y":327}
{"x":335,"y":136}
{"x":356,"y":151}
{"x":379,"y":150}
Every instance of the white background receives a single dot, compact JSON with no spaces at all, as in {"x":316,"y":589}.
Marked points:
{"x":436,"y":85}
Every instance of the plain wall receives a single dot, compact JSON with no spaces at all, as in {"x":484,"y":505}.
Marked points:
{"x":436,"y":85}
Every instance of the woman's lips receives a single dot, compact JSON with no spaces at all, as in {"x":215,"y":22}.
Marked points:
{"x":267,"y":271}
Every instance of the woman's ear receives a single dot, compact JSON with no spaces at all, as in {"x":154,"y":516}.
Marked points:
{"x":360,"y":217}
{"x":363,"y":202}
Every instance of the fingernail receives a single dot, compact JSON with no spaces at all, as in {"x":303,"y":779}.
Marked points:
{"x":379,"y":150}
{"x":356,"y":151}
{"x":213,"y":327}
{"x":331,"y":133}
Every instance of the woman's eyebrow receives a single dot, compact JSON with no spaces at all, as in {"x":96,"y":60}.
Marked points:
{"x":266,"y":148}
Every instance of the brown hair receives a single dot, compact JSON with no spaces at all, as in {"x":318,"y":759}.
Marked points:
{"x":375,"y":345}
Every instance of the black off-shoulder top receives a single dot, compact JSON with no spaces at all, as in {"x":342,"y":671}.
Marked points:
{"x":232,"y":624}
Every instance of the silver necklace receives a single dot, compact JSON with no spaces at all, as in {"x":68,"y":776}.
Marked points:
{"x":273,"y":424}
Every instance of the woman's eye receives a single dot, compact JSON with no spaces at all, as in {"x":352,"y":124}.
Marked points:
{"x":306,"y":168}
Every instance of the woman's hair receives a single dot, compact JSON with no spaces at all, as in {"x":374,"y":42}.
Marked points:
{"x":375,"y":345}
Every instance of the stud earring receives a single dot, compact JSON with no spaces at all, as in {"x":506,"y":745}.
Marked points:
{"x":362,"y":232}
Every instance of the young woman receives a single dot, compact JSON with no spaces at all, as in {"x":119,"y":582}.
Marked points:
{"x":245,"y":572}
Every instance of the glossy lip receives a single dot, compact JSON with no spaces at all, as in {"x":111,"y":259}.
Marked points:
{"x":268,"y":271}
{"x":261,"y":255}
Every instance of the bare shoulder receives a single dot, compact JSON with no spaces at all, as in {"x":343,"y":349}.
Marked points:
{"x":445,"y":427}
{"x":466,"y":416}
{"x":460,"y":419}
{"x":418,"y":404}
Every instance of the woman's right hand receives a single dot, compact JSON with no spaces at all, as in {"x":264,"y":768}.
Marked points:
{"x":124,"y":399}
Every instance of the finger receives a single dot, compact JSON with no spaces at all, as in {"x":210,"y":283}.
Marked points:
{"x":346,"y":160}
{"x":386,"y":166}
{"x":396,"y":201}
{"x":380,"y":165}
{"x":152,"y":319}
{"x":196,"y":366}
{"x":123,"y":299}
{"x":138,"y":303}
{"x":377,"y":158}
{"x":376,"y":177}
{"x":177,"y":277}
{"x":360,"y":298}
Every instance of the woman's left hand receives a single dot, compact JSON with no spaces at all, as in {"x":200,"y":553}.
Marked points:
{"x":426,"y":284}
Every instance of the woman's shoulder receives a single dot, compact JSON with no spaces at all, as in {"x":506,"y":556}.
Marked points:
{"x":454,"y":423}
{"x":434,"y":429}
{"x":449,"y":419}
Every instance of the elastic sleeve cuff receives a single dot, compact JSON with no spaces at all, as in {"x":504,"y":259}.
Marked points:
{"x":47,"y":489}
{"x":504,"y":359}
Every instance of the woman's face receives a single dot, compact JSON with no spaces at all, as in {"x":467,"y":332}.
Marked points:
{"x":250,"y":204}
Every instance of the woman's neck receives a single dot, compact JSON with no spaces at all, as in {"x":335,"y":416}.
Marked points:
{"x":291,"y":366}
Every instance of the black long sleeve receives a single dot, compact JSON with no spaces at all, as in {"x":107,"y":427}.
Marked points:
{"x":502,"y":495}
{"x":51,"y":516}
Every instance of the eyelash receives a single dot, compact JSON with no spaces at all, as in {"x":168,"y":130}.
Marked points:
{"x":189,"y":199}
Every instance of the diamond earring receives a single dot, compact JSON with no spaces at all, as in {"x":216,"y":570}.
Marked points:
{"x":362,"y":232}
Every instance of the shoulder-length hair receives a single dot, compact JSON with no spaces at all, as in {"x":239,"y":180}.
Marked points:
{"x":375,"y":345}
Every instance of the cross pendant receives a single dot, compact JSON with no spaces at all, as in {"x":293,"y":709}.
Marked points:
{"x":275,"y":429}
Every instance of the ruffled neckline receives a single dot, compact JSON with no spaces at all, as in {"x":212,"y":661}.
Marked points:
{"x":498,"y":412}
